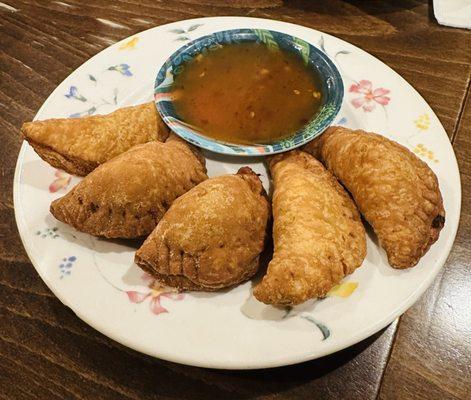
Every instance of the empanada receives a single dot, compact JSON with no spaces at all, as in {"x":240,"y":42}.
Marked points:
{"x":318,"y":236}
{"x":128,"y":195}
{"x":79,"y":145}
{"x":396,"y":192}
{"x":212,"y":236}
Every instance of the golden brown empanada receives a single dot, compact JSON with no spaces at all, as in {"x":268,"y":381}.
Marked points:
{"x":318,"y":236}
{"x":128,"y":195}
{"x":212,"y":236}
{"x":396,"y":192}
{"x":79,"y":145}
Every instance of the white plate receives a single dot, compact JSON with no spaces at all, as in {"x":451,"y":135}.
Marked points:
{"x":99,"y":282}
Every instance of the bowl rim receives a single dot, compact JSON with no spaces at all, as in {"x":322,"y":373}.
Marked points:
{"x":182,"y":129}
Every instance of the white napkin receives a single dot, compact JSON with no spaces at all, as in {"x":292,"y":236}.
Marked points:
{"x":456,"y":13}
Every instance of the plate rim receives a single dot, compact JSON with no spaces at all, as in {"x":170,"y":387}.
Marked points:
{"x":278,"y":361}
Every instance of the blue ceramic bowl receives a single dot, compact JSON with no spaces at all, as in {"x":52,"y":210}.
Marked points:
{"x":332,"y":89}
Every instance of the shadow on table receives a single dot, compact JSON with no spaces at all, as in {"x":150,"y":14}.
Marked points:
{"x":352,"y":7}
{"x":275,"y":380}
{"x":358,"y":7}
{"x":332,"y":374}
{"x":142,"y":376}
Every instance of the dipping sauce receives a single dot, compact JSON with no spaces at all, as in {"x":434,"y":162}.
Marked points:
{"x":246,"y":93}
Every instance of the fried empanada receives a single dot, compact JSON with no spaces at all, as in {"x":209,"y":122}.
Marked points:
{"x":318,"y":236}
{"x":127,"y":196}
{"x":211,"y":238}
{"x":79,"y":145}
{"x":397,"y":193}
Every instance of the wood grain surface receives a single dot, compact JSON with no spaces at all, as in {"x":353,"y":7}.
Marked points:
{"x":46,"y":352}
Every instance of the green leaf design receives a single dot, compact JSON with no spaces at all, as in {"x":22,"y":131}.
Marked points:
{"x":287,"y":143}
{"x":325,"y":112}
{"x":193,"y":27}
{"x":324,"y":330}
{"x":340,"y":53}
{"x":267,"y":38}
{"x":303,"y":48}
{"x":177,"y":31}
{"x":321,"y":43}
{"x":177,"y":70}
{"x":91,"y":110}
{"x":115,"y":96}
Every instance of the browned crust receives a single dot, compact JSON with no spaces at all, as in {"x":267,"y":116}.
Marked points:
{"x":172,"y":137}
{"x":163,"y":131}
{"x":182,"y":269}
{"x":71,"y":165}
{"x":122,"y":224}
{"x":182,"y":282}
{"x":296,"y":274}
{"x":316,"y":148}
{"x":116,"y":201}
{"x":76,"y":165}
{"x":437,"y":225}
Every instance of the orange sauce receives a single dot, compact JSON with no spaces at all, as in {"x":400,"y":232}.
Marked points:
{"x":246,"y":93}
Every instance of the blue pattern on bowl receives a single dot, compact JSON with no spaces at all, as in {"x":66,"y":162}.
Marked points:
{"x":331,"y":81}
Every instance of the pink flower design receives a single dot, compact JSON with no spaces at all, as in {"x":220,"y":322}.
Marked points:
{"x":155,"y":294}
{"x":369,"y":96}
{"x":61,"y":182}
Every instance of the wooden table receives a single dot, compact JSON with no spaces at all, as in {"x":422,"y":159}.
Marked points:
{"x":46,"y":352}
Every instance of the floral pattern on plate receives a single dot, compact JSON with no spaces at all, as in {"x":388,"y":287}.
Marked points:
{"x":424,"y":153}
{"x":216,"y":333}
{"x":131,"y":44}
{"x":155,"y":294}
{"x":183,"y":34}
{"x":66,"y":265}
{"x":108,"y":99}
{"x":61,"y":182}
{"x":369,"y":97}
{"x":52,"y":233}
{"x":422,"y":123}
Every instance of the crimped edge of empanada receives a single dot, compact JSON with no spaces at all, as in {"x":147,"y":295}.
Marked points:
{"x":71,"y":165}
{"x":182,"y":282}
{"x":76,"y":165}
{"x":270,"y":294}
{"x":438,"y":222}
